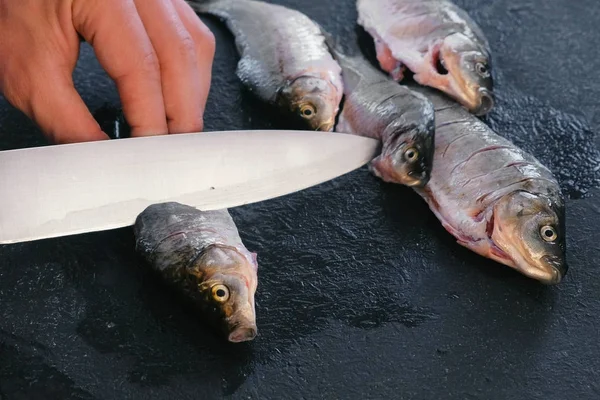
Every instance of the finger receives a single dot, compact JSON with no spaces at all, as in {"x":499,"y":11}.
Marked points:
{"x":176,"y":53}
{"x":123,"y":48}
{"x":56,"y":107}
{"x":204,"y":40}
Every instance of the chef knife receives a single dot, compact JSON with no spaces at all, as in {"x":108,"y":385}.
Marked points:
{"x":61,"y":190}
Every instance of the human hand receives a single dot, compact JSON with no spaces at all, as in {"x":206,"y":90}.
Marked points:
{"x":158,"y":52}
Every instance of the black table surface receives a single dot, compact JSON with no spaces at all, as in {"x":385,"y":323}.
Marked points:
{"x":362,"y":293}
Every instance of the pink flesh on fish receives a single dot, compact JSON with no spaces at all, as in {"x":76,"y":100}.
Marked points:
{"x":437,"y":41}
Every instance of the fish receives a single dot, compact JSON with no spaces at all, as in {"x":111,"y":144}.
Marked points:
{"x":493,"y":197}
{"x":201,"y":255}
{"x":438,"y":42}
{"x":377,"y":107}
{"x":284,"y":60}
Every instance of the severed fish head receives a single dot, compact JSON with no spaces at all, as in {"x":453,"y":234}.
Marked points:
{"x":529,"y":234}
{"x":315,"y":101}
{"x":465,"y":73}
{"x":225,"y":285}
{"x":406,"y":158}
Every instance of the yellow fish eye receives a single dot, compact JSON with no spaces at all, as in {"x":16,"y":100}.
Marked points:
{"x":411,"y":155}
{"x":220,"y":293}
{"x":307,"y":111}
{"x":548,"y":233}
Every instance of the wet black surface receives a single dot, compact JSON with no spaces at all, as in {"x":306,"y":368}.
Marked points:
{"x":362,"y":294}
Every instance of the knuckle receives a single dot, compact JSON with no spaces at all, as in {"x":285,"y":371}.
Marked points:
{"x":210,"y":43}
{"x":204,"y":39}
{"x":185,"y":51}
{"x":187,"y":46}
{"x":150,"y":63}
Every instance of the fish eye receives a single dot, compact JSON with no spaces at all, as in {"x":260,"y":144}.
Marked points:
{"x":548,"y":233}
{"x":411,"y":155}
{"x":482,"y":69}
{"x":220,"y":293}
{"x":307,"y":111}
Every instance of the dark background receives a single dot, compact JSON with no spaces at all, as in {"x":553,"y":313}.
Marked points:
{"x":362,"y":293}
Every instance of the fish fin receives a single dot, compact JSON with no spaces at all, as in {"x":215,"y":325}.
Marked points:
{"x":332,"y":44}
{"x":397,"y":73}
{"x":381,"y":168}
{"x":202,"y":6}
{"x":348,"y":63}
{"x":388,"y":62}
{"x":255,"y":258}
{"x":329,"y":38}
{"x":343,"y":125}
{"x":373,"y":170}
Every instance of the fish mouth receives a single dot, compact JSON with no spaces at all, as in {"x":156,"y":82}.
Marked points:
{"x":417,"y":179}
{"x":383,"y":167}
{"x":451,"y":80}
{"x":547,"y":275}
{"x":548,"y":272}
{"x":486,"y":102}
{"x":326,"y":126}
{"x":243,"y":333}
{"x":557,"y":266}
{"x":242,"y":325}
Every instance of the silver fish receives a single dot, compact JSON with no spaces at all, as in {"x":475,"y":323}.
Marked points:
{"x":438,"y":42}
{"x":201,"y":254}
{"x":492,"y":196}
{"x":403,"y":120}
{"x":284,"y":58}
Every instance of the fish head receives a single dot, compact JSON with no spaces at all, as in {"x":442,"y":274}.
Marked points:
{"x":529,"y":233}
{"x":468,"y":71}
{"x":226,"y":285}
{"x":407,"y":153}
{"x":313,"y":100}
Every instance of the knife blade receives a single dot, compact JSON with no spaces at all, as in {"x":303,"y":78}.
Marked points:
{"x":60,"y":190}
